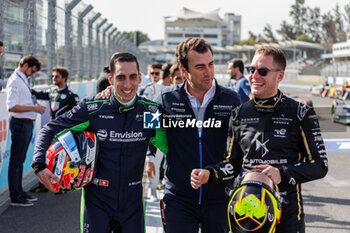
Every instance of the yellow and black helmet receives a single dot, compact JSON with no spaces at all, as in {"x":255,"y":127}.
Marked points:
{"x":254,"y":206}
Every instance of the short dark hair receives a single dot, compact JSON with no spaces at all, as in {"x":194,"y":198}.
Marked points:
{"x":193,"y":43}
{"x":276,"y":53}
{"x":237,"y":63}
{"x":122,"y":57}
{"x":165,"y":70}
{"x":31,"y":61}
{"x":156,"y":66}
{"x":173,"y":69}
{"x":1,"y":44}
{"x":62,"y":70}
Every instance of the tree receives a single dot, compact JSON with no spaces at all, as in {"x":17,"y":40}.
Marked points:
{"x":268,"y":33}
{"x":303,"y":37}
{"x":143,"y":37}
{"x":298,"y":14}
{"x":286,"y":31}
{"x":314,"y":25}
{"x":339,"y":24}
{"x":329,"y":27}
{"x":333,"y":26}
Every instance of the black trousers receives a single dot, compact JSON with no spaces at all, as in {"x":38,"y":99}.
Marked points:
{"x":21,"y":134}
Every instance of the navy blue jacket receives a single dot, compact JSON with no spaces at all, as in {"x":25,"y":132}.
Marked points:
{"x":122,"y":148}
{"x":187,"y":151}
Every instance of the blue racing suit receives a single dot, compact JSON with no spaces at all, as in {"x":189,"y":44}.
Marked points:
{"x":114,"y":197}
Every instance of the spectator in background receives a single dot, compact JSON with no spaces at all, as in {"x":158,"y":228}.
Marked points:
{"x":61,"y":98}
{"x":151,"y":90}
{"x":165,"y":77}
{"x":235,"y":69}
{"x":145,"y":79}
{"x":102,"y":82}
{"x":176,"y":75}
{"x":23,"y":108}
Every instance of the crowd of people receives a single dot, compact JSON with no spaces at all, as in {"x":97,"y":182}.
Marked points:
{"x":211,"y":137}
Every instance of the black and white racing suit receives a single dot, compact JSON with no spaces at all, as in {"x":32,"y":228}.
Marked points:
{"x":283,"y":133}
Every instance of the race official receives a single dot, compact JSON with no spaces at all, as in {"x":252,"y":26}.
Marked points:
{"x":23,"y":110}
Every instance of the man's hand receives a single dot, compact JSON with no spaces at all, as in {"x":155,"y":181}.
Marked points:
{"x":272,"y":172}
{"x":39,"y":108}
{"x":199,"y":177}
{"x":47,"y":178}
{"x":105,"y":94}
{"x":150,"y":170}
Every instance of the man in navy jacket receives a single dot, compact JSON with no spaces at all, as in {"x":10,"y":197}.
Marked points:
{"x":195,"y":117}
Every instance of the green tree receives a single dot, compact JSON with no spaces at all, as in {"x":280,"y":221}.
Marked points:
{"x":143,"y":37}
{"x":303,"y":37}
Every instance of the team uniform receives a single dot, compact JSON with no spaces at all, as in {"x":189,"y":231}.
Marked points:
{"x":114,"y":198}
{"x":191,"y":147}
{"x":285,"y":134}
{"x":61,"y":100}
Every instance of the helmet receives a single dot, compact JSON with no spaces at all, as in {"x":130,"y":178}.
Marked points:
{"x":254,"y":207}
{"x":73,"y":160}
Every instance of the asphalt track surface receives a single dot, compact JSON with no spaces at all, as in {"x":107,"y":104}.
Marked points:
{"x":326,"y":201}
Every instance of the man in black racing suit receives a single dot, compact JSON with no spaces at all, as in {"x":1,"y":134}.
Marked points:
{"x":275,"y":134}
{"x":113,"y":200}
{"x":61,"y":98}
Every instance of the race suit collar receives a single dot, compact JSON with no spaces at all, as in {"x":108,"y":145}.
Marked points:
{"x":124,"y":107}
{"x":269,"y":104}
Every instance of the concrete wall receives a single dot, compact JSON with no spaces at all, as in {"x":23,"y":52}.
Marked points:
{"x":82,"y":89}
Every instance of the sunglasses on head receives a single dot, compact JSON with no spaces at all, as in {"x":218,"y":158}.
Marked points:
{"x":154,"y":73}
{"x":262,"y":71}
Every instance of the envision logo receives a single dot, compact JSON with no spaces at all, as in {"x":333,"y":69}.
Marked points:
{"x":102,"y":134}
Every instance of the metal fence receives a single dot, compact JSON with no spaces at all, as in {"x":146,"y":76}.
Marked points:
{"x":60,"y":32}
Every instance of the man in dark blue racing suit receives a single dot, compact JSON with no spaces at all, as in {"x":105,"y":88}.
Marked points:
{"x":113,"y":200}
{"x":275,"y":134}
{"x":61,"y":98}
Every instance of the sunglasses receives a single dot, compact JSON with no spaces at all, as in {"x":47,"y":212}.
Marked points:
{"x":262,"y":71}
{"x":154,"y":73}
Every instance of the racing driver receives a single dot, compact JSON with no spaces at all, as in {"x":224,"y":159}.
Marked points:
{"x":274,"y":134}
{"x":113,"y":200}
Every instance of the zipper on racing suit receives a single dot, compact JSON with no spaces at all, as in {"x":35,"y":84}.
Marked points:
{"x":200,"y":166}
